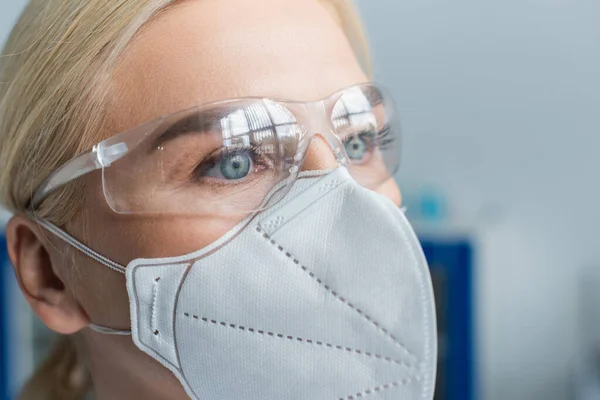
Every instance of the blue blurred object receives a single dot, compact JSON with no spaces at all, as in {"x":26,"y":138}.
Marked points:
{"x":432,"y":205}
{"x":451,"y":265}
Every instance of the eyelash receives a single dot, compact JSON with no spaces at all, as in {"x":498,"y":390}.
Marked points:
{"x":383,"y":137}
{"x":213,"y":160}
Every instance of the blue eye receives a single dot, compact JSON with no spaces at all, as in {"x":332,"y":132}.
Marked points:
{"x":358,"y":146}
{"x":231,"y":166}
{"x":235,"y":166}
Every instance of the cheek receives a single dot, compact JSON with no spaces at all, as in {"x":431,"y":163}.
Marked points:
{"x":127,"y":238}
{"x":391,"y":190}
{"x":102,"y":291}
{"x":123,"y":238}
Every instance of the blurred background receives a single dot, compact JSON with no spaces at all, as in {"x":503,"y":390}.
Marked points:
{"x":501,"y":109}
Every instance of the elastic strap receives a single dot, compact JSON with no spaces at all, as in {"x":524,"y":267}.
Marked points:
{"x":94,"y":255}
{"x":81,"y":247}
{"x":108,"y":331}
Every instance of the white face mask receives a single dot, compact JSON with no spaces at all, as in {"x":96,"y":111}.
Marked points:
{"x":326,"y":295}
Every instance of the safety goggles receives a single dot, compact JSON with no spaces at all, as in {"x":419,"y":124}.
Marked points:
{"x":237,"y":156}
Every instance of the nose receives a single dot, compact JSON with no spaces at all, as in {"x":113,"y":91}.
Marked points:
{"x":319,"y":156}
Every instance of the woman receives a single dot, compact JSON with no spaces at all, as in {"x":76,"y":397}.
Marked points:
{"x":138,"y":131}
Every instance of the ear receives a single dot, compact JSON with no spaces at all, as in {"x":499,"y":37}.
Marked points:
{"x":36,"y":262}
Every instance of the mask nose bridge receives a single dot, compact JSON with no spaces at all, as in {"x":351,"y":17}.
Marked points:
{"x":320,"y":124}
{"x":302,"y":200}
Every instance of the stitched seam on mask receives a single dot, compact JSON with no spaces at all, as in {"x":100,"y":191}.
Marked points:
{"x":154,"y":316}
{"x":335,"y":294}
{"x":377,"y":389}
{"x":300,"y":340}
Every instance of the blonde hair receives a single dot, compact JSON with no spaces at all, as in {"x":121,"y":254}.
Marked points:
{"x":54,"y":85}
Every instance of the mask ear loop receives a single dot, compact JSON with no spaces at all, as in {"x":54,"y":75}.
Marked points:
{"x":108,"y":331}
{"x":80,"y":246}
{"x":70,"y":240}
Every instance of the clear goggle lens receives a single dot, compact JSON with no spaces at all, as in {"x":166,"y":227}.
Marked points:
{"x":240,"y":156}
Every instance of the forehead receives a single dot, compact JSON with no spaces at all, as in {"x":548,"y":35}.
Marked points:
{"x":199,"y":51}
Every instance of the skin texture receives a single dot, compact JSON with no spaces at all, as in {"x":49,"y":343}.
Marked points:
{"x":193,"y":53}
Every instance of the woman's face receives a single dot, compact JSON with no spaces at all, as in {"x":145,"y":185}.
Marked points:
{"x":198,"y":52}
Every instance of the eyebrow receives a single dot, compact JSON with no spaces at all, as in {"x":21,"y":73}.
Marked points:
{"x":374,"y":95}
{"x":204,"y":121}
{"x":197,"y":122}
